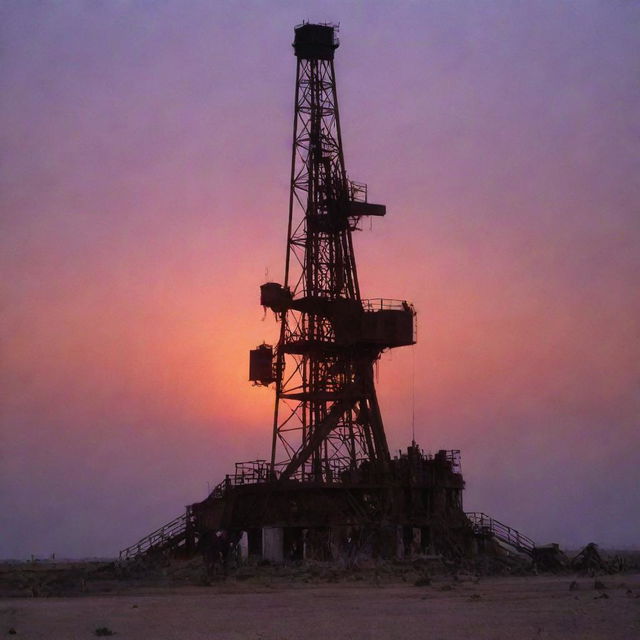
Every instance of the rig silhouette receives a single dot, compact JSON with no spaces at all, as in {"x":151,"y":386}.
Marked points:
{"x":330,"y":488}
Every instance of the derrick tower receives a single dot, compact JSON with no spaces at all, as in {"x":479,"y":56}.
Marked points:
{"x":330,"y":482}
{"x":326,"y":418}
{"x":330,"y":486}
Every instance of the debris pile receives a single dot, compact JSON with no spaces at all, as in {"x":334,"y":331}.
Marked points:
{"x":592,"y":562}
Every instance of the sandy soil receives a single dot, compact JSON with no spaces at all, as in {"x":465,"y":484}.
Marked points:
{"x":491,"y":608}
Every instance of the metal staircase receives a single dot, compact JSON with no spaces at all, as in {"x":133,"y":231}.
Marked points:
{"x":484,"y":525}
{"x":175,"y":536}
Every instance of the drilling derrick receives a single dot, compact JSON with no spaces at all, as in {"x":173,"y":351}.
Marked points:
{"x":330,"y":487}
{"x":330,"y":481}
{"x":326,"y":420}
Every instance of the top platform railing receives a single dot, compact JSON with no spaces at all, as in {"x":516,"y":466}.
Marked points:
{"x":386,"y":304}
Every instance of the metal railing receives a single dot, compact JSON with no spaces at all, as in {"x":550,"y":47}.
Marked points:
{"x":452,"y":456}
{"x":357,"y":191}
{"x":336,"y":471}
{"x":172,"y":531}
{"x":383,"y":304}
{"x":261,"y":471}
{"x":486,"y":525}
{"x":251,"y":472}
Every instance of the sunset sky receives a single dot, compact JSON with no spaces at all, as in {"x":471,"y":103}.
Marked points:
{"x":144,"y":188}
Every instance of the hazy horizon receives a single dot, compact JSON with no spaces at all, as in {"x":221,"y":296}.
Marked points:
{"x":144,"y":190}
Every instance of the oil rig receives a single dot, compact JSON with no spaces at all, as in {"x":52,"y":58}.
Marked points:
{"x":331,"y":487}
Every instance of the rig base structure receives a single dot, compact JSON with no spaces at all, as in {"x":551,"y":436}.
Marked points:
{"x":415,"y":510}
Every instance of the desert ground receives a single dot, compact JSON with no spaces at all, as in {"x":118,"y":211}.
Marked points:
{"x":281,"y":605}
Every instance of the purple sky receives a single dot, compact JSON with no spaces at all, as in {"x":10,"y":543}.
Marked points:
{"x":143,"y":190}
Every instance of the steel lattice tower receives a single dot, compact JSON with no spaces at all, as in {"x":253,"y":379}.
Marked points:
{"x":330,"y":483}
{"x":326,"y":419}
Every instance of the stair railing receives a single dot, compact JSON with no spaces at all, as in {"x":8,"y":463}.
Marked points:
{"x":486,"y":525}
{"x":170,"y":531}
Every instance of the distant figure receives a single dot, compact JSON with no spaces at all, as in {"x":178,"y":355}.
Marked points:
{"x":351,"y":548}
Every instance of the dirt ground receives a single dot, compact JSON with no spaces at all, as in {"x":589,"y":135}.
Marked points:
{"x":485,"y":608}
